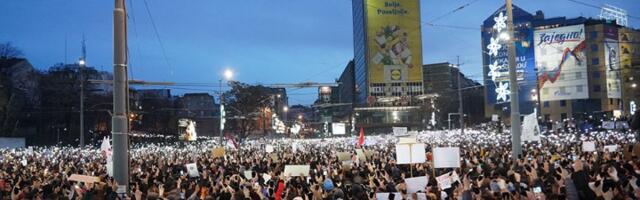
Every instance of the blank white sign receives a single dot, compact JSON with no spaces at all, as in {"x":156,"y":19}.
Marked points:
{"x":296,"y":170}
{"x":589,"y":146}
{"x":410,"y":153}
{"x":446,"y":157}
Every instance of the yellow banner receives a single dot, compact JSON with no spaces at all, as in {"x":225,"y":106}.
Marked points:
{"x":394,"y":41}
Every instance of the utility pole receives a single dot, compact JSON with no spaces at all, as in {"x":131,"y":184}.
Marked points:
{"x":516,"y":146}
{"x":460,"y":109}
{"x":119,"y":122}
{"x":222,"y":120}
{"x":82,"y":63}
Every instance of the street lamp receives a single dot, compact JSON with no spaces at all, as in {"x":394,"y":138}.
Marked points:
{"x":81,"y":64}
{"x":228,"y":75}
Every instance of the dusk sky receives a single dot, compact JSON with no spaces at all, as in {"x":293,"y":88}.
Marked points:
{"x":263,"y":41}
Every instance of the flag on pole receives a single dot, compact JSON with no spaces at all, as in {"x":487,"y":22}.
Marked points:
{"x":105,"y":147}
{"x":231,"y":142}
{"x":361,"y":138}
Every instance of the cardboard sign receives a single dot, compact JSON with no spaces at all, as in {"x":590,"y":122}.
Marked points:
{"x":346,"y":165}
{"x":589,"y":146}
{"x":410,"y":153}
{"x":342,"y":156}
{"x":294,"y":147}
{"x":83,"y":178}
{"x":296,"y":170}
{"x":269,"y":149}
{"x":416,"y":184}
{"x":611,"y":148}
{"x":217,"y":152}
{"x":446,"y":157}
{"x":247,"y":174}
{"x":192,"y":170}
{"x":360,"y":154}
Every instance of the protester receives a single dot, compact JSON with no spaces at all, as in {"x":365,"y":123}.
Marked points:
{"x":556,"y":167}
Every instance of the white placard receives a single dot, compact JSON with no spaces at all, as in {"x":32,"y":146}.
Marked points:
{"x":24,"y":162}
{"x":495,"y":118}
{"x":385,"y":196}
{"x":296,"y":170}
{"x":410,"y":153}
{"x":269,"y":148}
{"x":407,"y":140}
{"x":446,"y":157}
{"x":530,"y":128}
{"x":192,"y":170}
{"x":416,"y":184}
{"x":399,"y":131}
{"x":338,"y":128}
{"x":247,"y":174}
{"x":589,"y":146}
{"x":266,"y":178}
{"x":611,"y":148}
{"x":83,"y":178}
{"x":444,"y":181}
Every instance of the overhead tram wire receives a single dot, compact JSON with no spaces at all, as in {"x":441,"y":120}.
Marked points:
{"x":155,"y":29}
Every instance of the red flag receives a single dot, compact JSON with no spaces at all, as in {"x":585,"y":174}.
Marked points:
{"x":361,"y":138}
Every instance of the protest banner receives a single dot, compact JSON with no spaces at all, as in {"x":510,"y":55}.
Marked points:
{"x":589,"y":146}
{"x":416,"y":184}
{"x":410,"y":153}
{"x":217,"y":152}
{"x":192,"y":170}
{"x":83,"y":178}
{"x":446,"y":157}
{"x":296,"y":170}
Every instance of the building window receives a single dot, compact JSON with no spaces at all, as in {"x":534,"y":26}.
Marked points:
{"x":596,"y":74}
{"x":545,"y":104}
{"x":595,"y":61}
{"x":578,"y":75}
{"x":562,"y":76}
{"x":563,"y":103}
{"x":563,"y":89}
{"x":563,"y":116}
{"x":579,"y":88}
{"x":545,"y":91}
{"x":596,"y":88}
{"x":594,"y":34}
{"x":594,"y":48}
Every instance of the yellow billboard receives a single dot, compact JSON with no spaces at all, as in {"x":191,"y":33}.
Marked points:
{"x":394,"y":41}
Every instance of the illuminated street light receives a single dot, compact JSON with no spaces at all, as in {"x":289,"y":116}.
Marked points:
{"x":634,"y":85}
{"x":285,"y":109}
{"x":504,"y":36}
{"x":81,"y":62}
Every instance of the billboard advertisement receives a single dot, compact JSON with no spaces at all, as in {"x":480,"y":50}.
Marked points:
{"x":612,"y":62}
{"x":394,"y":41}
{"x":187,"y":129}
{"x":561,"y":63}
{"x":496,"y":61}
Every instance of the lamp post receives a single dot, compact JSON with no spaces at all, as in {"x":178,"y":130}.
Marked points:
{"x":81,"y":64}
{"x":228,"y":74}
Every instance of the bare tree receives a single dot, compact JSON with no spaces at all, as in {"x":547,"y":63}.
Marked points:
{"x":7,"y":50}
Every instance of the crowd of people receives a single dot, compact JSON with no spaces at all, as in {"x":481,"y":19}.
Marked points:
{"x":556,"y":167}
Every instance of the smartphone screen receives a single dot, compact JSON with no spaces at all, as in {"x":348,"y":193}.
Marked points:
{"x":537,"y":190}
